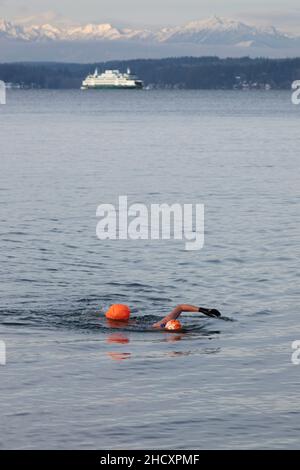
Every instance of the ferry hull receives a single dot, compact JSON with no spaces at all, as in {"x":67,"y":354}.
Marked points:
{"x":112,"y":87}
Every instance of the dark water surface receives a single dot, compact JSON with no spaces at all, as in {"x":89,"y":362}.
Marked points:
{"x":71,"y":379}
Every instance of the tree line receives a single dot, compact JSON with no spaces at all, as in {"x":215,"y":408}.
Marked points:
{"x":181,"y":72}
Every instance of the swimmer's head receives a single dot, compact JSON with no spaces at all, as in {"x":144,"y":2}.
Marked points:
{"x":118,"y":312}
{"x":173,"y":325}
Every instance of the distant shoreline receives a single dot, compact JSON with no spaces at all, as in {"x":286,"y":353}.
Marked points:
{"x":207,"y":73}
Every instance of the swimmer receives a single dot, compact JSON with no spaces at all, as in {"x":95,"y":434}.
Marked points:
{"x":121,"y":313}
{"x":170,"y":322}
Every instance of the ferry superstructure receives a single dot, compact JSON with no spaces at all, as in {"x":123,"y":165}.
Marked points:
{"x":111,"y":79}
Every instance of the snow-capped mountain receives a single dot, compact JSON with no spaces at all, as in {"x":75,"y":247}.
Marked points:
{"x":226,"y":32}
{"x":88,"y":32}
{"x":9,"y":30}
{"x":25,"y":41}
{"x":214,"y":31}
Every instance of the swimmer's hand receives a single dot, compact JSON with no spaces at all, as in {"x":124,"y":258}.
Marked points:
{"x":213,"y":312}
{"x":210,"y":312}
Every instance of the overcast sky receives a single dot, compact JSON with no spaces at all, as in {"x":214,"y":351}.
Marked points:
{"x":284,"y":14}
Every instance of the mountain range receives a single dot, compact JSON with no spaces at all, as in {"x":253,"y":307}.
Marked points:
{"x":210,"y":35}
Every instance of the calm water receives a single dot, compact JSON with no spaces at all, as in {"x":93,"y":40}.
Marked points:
{"x":71,"y":380}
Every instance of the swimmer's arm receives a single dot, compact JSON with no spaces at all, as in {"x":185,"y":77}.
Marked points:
{"x":175,"y":314}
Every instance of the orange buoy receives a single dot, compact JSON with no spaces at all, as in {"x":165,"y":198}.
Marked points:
{"x":118,"y":312}
{"x":173,"y":325}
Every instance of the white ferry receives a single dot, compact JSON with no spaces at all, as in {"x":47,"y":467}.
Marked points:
{"x":111,"y":79}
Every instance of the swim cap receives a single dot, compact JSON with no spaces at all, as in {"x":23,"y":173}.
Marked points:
{"x":173,"y":325}
{"x":118,"y":312}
